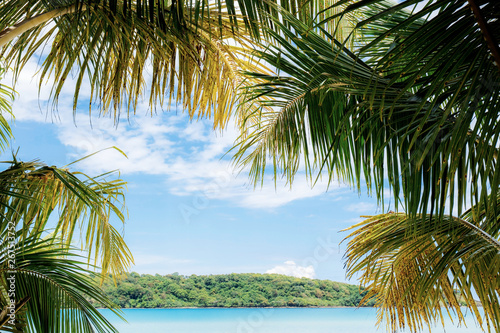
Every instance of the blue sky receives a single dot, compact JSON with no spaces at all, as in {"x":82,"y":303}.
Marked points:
{"x":189,"y":210}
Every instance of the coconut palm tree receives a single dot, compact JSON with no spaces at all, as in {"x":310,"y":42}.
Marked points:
{"x":409,"y":106}
{"x":39,"y":267}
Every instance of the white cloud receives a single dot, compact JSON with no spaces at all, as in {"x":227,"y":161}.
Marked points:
{"x":167,"y":145}
{"x":362,"y":207}
{"x":290,"y":268}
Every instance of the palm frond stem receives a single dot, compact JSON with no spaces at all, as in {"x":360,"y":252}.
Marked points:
{"x":483,"y":25}
{"x":487,"y":237}
{"x":4,"y":318}
{"x":10,"y":33}
{"x":40,"y":275}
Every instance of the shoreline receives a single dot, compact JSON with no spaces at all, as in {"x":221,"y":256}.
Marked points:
{"x":255,"y":307}
{"x":250,"y":307}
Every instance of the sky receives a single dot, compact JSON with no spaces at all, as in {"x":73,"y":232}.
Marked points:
{"x":189,"y":210}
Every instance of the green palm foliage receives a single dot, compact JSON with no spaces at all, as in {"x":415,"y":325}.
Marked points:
{"x":49,"y":276}
{"x":31,"y":192}
{"x":50,"y":282}
{"x":44,"y":286}
{"x":44,"y":211}
{"x":6,"y":95}
{"x":411,"y":105}
{"x":115,"y":46}
{"x":353,"y":117}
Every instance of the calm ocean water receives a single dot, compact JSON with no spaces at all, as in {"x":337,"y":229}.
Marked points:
{"x":295,"y":320}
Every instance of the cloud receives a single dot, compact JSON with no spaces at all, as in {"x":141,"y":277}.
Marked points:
{"x":269,"y":196}
{"x":362,"y":207}
{"x":187,"y":155}
{"x":290,"y":268}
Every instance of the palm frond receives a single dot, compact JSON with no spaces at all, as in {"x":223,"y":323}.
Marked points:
{"x":31,"y":191}
{"x":179,"y":51}
{"x":415,"y":267}
{"x":439,"y":55}
{"x":176,"y":52}
{"x":6,"y":97}
{"x":49,"y":277}
{"x":346,"y":115}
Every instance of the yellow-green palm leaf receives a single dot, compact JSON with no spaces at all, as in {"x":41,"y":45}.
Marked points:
{"x":30,"y":193}
{"x":176,"y":52}
{"x":384,"y":112}
{"x":421,"y":270}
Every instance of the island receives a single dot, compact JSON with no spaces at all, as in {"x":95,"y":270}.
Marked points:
{"x":229,"y":291}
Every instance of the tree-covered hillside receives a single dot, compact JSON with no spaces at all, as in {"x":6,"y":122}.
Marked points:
{"x":233,"y":290}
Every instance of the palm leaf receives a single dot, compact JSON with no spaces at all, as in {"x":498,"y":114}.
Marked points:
{"x":6,"y":96}
{"x":120,"y":50}
{"x":414,"y":267}
{"x":30,"y":192}
{"x":50,"y":277}
{"x":178,"y":51}
{"x":352,"y":115}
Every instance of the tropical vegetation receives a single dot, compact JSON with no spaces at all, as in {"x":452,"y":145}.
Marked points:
{"x":44,"y":210}
{"x":174,"y":51}
{"x":230,"y":290}
{"x":410,"y":109}
{"x":398,"y":96}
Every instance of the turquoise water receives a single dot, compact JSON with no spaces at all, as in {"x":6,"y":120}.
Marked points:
{"x":295,"y":320}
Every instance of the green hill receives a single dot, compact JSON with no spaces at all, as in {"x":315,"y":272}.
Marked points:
{"x":232,"y":290}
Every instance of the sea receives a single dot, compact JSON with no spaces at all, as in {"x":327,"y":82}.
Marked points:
{"x":264,"y":320}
